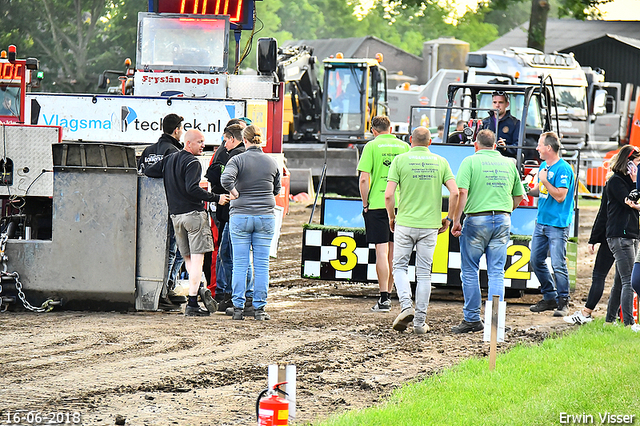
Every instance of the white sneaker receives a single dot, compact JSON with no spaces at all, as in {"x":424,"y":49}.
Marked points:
{"x":578,"y":318}
{"x":635,"y":328}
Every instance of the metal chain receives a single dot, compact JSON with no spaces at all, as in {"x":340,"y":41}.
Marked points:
{"x":46,"y":306}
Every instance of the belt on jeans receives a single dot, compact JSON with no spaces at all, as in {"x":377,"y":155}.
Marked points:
{"x":489,"y":213}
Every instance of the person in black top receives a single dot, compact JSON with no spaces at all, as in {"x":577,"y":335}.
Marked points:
{"x":231,"y":147}
{"x":507,"y":127}
{"x":169,"y":143}
{"x":182,"y":172}
{"x":622,"y":230}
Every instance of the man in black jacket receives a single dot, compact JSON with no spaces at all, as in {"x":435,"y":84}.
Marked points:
{"x":182,"y":173}
{"x":507,"y":127}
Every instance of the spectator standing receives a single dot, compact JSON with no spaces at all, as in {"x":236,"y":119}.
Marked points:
{"x":375,"y":160}
{"x":182,"y":173}
{"x":168,"y":143}
{"x":622,"y":231}
{"x":253,"y":180}
{"x":490,"y":189}
{"x":418,"y":175}
{"x":555,"y":214}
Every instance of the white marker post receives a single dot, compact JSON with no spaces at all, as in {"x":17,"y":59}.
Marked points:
{"x":494,"y":319}
{"x":284,"y":373}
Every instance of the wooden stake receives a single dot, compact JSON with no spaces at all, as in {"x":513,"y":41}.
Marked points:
{"x":494,"y":332}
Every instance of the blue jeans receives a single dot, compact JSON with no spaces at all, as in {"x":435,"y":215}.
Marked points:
{"x":624,"y":253}
{"x":424,"y":240}
{"x":224,"y":266}
{"x":247,"y":232}
{"x":175,"y":260}
{"x":488,"y":235}
{"x":552,"y":241}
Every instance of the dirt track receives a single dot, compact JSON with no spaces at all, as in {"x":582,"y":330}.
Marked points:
{"x":162,"y":369}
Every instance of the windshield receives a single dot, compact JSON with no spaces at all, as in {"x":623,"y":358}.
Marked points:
{"x":10,"y":101}
{"x":571,"y":100}
{"x":516,"y":105}
{"x":344,"y":90}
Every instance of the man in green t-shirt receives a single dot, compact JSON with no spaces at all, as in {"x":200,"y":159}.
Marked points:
{"x":375,"y":160}
{"x":418,"y":175}
{"x":490,"y":189}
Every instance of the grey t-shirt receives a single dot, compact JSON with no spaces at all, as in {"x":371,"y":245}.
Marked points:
{"x":256,"y":177}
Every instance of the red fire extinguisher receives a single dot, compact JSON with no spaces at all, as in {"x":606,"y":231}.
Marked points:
{"x":274,"y":410}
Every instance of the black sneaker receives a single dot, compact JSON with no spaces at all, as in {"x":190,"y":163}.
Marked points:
{"x":175,"y":298}
{"x":225,"y":303}
{"x":261,"y":315}
{"x":207,"y":299}
{"x":237,"y":314}
{"x":191,"y":311}
{"x":164,"y":304}
{"x":467,"y":327}
{"x":563,"y":307}
{"x":544,"y":305}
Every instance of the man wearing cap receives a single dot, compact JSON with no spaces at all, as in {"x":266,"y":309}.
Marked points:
{"x":507,"y":127}
{"x":182,"y":173}
{"x":490,"y":189}
{"x":168,"y":143}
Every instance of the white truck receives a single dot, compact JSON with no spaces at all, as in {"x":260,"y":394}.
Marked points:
{"x":589,"y":109}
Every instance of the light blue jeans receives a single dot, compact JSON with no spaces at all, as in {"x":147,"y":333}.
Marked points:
{"x":224,"y":266}
{"x":424,"y":240}
{"x":488,"y":235}
{"x":552,"y":241}
{"x":251,"y":232}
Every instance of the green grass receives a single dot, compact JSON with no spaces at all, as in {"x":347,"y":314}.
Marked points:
{"x":594,"y":370}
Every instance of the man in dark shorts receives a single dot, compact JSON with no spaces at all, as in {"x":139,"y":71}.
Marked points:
{"x":375,"y":160}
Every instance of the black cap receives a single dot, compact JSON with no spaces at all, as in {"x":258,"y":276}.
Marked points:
{"x":171,"y":122}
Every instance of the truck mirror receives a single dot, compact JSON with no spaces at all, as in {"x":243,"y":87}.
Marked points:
{"x":267,"y":55}
{"x":599,"y":101}
{"x":103,"y":81}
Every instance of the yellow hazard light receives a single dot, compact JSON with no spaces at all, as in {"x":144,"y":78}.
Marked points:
{"x":517,"y":74}
{"x":339,"y":55}
{"x":3,"y":54}
{"x":406,"y":86}
{"x":379,"y":57}
{"x":127,"y":62}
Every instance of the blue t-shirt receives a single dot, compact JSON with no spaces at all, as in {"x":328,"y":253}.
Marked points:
{"x":551,"y":212}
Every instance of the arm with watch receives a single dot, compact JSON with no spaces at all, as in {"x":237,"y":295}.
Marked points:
{"x":363,"y":184}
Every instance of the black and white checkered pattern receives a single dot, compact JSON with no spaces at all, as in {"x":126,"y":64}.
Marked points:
{"x":318,"y":252}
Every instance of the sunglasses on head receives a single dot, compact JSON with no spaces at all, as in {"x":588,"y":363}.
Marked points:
{"x":499,"y":93}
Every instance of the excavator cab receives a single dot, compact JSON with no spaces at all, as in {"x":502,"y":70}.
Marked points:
{"x":355,"y":92}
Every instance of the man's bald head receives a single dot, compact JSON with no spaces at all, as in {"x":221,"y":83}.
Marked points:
{"x":194,"y":141}
{"x":421,"y":136}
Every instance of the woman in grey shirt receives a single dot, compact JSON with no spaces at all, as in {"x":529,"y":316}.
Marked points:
{"x":253,"y":178}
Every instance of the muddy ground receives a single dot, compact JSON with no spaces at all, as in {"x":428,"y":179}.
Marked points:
{"x":164,"y":368}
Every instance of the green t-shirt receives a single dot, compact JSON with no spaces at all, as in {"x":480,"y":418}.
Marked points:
{"x":420,"y":175}
{"x":492,"y":181}
{"x":376,"y":158}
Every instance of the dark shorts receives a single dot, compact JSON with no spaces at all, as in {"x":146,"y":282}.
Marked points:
{"x":376,"y":224}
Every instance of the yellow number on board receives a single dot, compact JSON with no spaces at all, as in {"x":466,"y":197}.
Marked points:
{"x":347,"y":246}
{"x":514,"y":272}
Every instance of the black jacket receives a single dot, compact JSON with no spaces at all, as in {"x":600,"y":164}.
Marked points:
{"x":182,"y":173}
{"x":166,"y":145}
{"x":599,"y":228}
{"x":622,"y":220}
{"x":220,"y":159}
{"x":508,"y":129}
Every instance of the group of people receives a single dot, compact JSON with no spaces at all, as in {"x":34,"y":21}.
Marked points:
{"x":401,"y":187}
{"x":244,"y":182}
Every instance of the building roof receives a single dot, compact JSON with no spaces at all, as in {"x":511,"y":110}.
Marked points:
{"x":564,"y":33}
{"x":324,"y":48}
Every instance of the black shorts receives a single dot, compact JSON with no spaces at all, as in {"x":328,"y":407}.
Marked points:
{"x":376,"y":224}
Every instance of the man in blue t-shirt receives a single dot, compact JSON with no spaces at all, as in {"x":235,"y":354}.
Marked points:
{"x":555,"y":214}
